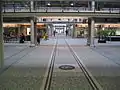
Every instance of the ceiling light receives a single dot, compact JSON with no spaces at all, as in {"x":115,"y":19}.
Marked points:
{"x":71,"y":4}
{"x":48,"y":4}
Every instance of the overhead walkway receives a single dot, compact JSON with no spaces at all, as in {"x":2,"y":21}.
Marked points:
{"x":32,"y":10}
{"x":83,"y":14}
{"x":45,"y":67}
{"x":58,"y":11}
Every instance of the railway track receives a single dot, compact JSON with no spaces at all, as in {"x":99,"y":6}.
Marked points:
{"x":91,"y":80}
{"x":48,"y":75}
{"x":50,"y":71}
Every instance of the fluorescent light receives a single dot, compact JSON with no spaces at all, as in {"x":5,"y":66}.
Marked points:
{"x":71,"y":4}
{"x":48,"y":4}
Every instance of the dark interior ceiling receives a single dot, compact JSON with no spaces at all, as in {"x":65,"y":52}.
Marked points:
{"x":27,"y":19}
{"x":59,"y":4}
{"x":18,"y":19}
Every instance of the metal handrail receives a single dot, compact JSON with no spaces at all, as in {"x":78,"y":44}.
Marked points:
{"x":59,"y":9}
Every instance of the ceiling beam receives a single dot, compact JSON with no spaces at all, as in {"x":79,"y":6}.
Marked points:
{"x":68,"y":0}
{"x":63,"y":14}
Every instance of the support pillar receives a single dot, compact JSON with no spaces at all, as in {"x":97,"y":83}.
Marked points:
{"x":1,"y":38}
{"x":93,"y":6}
{"x":89,"y":32}
{"x":51,"y":29}
{"x":33,"y":32}
{"x":69,"y":31}
{"x":47,"y":30}
{"x":73,"y":31}
{"x":91,"y":29}
{"x":31,"y":5}
{"x":64,"y":30}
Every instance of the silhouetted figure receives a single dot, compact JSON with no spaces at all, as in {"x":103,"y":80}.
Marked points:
{"x":38,"y":38}
{"x":54,"y":33}
{"x":66,"y":32}
{"x":22,"y":38}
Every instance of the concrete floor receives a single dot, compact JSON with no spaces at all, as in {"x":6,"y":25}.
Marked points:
{"x":28,"y":65}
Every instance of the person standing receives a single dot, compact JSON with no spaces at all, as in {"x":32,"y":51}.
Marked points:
{"x":66,"y":32}
{"x":54,"y":33}
{"x":38,"y":38}
{"x":22,"y":38}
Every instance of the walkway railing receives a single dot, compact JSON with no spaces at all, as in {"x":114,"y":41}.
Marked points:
{"x":59,"y":9}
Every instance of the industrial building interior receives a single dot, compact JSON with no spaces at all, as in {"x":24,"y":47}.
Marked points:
{"x":59,"y":44}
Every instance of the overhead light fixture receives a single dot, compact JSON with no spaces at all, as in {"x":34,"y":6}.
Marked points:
{"x":71,"y":4}
{"x":48,"y":4}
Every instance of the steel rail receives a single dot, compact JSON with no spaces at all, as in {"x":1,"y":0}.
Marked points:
{"x":92,"y":81}
{"x":50,"y":69}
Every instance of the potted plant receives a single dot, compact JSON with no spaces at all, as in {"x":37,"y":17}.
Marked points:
{"x":102,"y":35}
